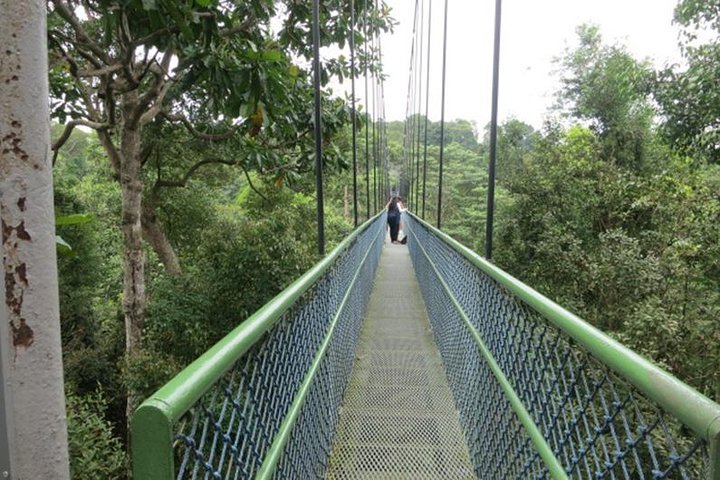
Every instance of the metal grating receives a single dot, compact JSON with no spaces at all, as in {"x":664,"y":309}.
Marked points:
{"x":597,"y":425}
{"x":398,"y":420}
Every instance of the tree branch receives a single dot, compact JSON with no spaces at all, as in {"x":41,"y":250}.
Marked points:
{"x":240,"y":28}
{"x":100,"y":71}
{"x":289,"y":143}
{"x":158,"y":92}
{"x":182,"y":182}
{"x":111,"y":150}
{"x":58,"y":37}
{"x":69,"y":127}
{"x":154,"y":234}
{"x":69,"y":16}
{"x":247,"y":175}
{"x":158,"y":33}
{"x":203,"y":136}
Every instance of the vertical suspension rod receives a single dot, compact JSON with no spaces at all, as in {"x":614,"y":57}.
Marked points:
{"x":442,"y":120}
{"x":367,"y":114}
{"x":374,"y":117}
{"x":419,"y":107}
{"x":427,"y":106}
{"x":407,"y":144}
{"x":354,"y":112}
{"x":493,"y":135}
{"x":318,"y":128}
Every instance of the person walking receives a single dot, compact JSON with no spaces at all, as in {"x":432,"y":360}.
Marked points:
{"x":394,"y":208}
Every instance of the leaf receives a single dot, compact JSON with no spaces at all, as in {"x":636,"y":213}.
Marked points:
{"x":272,"y":55}
{"x":149,"y":4}
{"x":74,"y":219}
{"x":204,"y":3}
{"x":181,"y":21}
{"x":63,"y":247}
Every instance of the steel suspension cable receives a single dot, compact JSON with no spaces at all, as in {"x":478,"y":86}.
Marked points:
{"x":408,"y":137}
{"x":414,"y":119}
{"x":367,"y":113}
{"x":318,"y":127}
{"x":386,"y":152}
{"x":442,"y":119}
{"x":374,"y":120}
{"x":493,"y":134}
{"x":419,"y":110}
{"x":427,"y":106}
{"x":411,"y":120}
{"x":379,"y":121}
{"x":381,"y":130}
{"x":354,"y":112}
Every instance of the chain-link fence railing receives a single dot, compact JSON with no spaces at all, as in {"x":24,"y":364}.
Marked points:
{"x":264,"y":401}
{"x":542,"y":394}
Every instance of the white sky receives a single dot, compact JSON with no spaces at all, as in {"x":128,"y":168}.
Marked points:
{"x":533,"y":33}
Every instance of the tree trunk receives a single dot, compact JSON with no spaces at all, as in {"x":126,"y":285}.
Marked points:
{"x":155,"y":236}
{"x":33,"y":431}
{"x":133,"y":255}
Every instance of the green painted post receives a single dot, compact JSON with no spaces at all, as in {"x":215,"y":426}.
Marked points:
{"x":152,"y":435}
{"x":714,"y":447}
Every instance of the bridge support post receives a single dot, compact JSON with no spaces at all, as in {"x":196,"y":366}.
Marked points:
{"x":30,"y":347}
{"x":714,"y":447}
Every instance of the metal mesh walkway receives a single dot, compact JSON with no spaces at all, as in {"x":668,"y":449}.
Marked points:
{"x":398,"y":418}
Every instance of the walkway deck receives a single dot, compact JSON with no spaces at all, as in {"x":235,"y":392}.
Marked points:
{"x":398,"y":419}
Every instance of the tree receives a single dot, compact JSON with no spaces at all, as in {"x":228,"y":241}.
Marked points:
{"x":606,"y":87}
{"x":516,"y":140}
{"x":32,"y":375}
{"x":132,"y":70}
{"x":689,"y":98}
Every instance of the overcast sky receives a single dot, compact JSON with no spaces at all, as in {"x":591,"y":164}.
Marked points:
{"x":533,"y":33}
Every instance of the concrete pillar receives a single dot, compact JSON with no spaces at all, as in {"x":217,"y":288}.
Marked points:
{"x":30,"y":347}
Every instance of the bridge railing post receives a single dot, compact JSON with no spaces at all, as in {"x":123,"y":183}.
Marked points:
{"x":152,"y":438}
{"x":714,"y":442}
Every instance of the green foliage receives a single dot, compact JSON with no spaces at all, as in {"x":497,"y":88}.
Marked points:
{"x":95,"y":452}
{"x":598,"y":213}
{"x":691,"y":125}
{"x":611,"y":222}
{"x":245,"y":254}
{"x":607,"y":87}
{"x":688,"y":97}
{"x":516,"y":140}
{"x":698,"y":14}
{"x":634,"y":253}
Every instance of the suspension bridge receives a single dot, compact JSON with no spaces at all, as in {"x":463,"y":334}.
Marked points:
{"x":382,"y":361}
{"x":427,"y":361}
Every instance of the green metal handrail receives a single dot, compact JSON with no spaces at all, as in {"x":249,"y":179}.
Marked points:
{"x":551,"y":462}
{"x":152,"y":423}
{"x":696,"y":411}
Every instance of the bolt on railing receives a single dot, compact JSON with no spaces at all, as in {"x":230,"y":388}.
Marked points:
{"x":541,"y":393}
{"x":264,"y":401}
